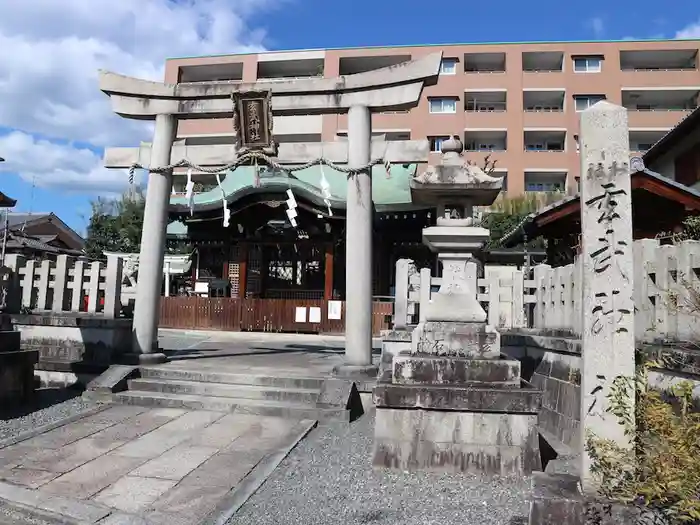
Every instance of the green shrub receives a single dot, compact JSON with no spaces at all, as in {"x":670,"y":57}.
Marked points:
{"x":662,"y":470}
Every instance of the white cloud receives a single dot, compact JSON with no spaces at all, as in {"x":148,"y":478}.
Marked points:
{"x":690,"y":31}
{"x":50,"y":53}
{"x":65,"y":166}
{"x":597,"y":25}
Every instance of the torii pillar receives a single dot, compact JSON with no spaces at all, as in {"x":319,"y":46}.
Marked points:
{"x":358,"y":246}
{"x":393,"y":88}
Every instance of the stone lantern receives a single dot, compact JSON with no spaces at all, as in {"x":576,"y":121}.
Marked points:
{"x":452,"y":402}
{"x":454,"y":314}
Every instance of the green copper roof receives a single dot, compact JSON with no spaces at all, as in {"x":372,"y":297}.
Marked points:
{"x":387,"y":192}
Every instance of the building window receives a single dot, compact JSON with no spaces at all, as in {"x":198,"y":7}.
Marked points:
{"x":587,"y":65}
{"x":436,"y":143}
{"x":544,"y":186}
{"x":448,"y":66}
{"x":583,"y":102}
{"x":443,"y":105}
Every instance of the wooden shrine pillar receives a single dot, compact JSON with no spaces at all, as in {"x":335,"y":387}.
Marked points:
{"x":328,"y":273}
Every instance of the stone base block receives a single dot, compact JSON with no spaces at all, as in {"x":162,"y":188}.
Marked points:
{"x":394,"y":342}
{"x":473,"y":340}
{"x":113,"y":380}
{"x":82,"y":339}
{"x":361,"y":375}
{"x":557,"y":500}
{"x":430,"y":370}
{"x":484,"y":398}
{"x":499,"y":444}
{"x":17,"y":376}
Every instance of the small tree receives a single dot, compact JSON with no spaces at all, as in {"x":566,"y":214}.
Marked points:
{"x":115,"y":224}
{"x":507,"y":213}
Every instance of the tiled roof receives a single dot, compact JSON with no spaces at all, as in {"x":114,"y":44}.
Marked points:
{"x":17,"y":241}
{"x":17,"y":219}
{"x":676,"y":133}
{"x":516,"y":235}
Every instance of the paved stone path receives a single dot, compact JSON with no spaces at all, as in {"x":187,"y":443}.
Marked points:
{"x":169,"y":466}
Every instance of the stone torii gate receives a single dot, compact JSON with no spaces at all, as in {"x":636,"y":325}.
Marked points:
{"x":388,"y":89}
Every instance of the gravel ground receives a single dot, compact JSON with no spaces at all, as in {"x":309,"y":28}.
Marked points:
{"x":49,"y":406}
{"x":328,"y":479}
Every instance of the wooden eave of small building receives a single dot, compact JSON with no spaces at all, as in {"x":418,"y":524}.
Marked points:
{"x":649,"y":190}
{"x":666,"y":143}
{"x":7,"y":202}
{"x":64,"y":233}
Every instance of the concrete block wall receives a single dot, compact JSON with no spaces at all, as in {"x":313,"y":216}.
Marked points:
{"x":552,"y":363}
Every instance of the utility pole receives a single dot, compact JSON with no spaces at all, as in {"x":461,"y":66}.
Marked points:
{"x":4,"y":232}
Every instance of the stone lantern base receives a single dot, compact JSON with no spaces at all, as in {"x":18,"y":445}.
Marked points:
{"x":465,"y":410}
{"x":16,"y":366}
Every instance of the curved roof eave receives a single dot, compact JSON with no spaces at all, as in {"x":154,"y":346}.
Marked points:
{"x":394,"y":192}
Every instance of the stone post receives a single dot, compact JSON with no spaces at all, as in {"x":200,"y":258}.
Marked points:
{"x":155,"y":219}
{"x":167,"y":279}
{"x":358,"y":248}
{"x":113,"y":286}
{"x":401,"y":294}
{"x":608,"y":308}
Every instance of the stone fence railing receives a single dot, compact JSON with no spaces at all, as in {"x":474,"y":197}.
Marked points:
{"x":502,"y":293}
{"x":67,"y":284}
{"x":666,"y":293}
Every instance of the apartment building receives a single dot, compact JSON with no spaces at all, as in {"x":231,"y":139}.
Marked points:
{"x":517,"y":102}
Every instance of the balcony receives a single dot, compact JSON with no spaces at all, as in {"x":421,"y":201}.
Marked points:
{"x":659,"y":60}
{"x":379,"y":134}
{"x":550,"y":101}
{"x":212,"y":72}
{"x":660,"y":99}
{"x":485,"y":62}
{"x":545,"y":181}
{"x":537,"y":141}
{"x":436,"y":142}
{"x":485,"y":140}
{"x":485,"y":101}
{"x":642,"y":140}
{"x":543,"y":61}
{"x":290,"y":69}
{"x":354,"y":65}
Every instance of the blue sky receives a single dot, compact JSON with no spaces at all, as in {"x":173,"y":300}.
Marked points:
{"x":54,"y":122}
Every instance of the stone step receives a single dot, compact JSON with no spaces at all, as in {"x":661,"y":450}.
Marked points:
{"x":213,"y":376}
{"x":200,"y":388}
{"x":230,"y":404}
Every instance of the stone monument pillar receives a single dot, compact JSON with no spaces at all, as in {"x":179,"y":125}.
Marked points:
{"x":608,"y":276}
{"x":451,"y":402}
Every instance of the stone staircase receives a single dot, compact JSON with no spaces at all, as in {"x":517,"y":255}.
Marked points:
{"x":266,"y":395}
